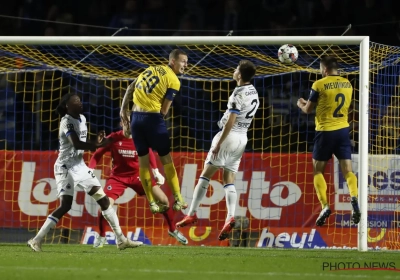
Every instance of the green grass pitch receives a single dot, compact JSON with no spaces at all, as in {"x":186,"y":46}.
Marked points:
{"x":75,"y":262}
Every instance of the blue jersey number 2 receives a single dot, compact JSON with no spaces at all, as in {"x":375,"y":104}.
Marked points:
{"x":148,"y":81}
{"x":340,"y":99}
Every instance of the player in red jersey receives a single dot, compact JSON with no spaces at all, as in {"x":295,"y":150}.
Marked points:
{"x":125,"y":174}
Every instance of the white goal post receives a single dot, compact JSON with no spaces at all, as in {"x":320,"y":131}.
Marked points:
{"x":362,"y":41}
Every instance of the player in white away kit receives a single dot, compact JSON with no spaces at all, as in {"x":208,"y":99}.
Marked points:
{"x":71,"y":171}
{"x":228,"y":146}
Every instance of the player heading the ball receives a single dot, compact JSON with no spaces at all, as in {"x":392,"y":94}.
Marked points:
{"x":71,"y":171}
{"x":153,"y":92}
{"x":331,"y":96}
{"x":228,"y":146}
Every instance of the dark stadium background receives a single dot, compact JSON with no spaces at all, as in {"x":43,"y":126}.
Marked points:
{"x":378,"y":19}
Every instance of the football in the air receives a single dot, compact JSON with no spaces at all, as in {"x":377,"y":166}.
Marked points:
{"x":288,"y":54}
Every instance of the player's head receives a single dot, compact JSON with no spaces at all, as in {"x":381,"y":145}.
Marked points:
{"x":178,"y":61}
{"x":245,"y":71}
{"x":328,"y":65}
{"x":70,"y":104}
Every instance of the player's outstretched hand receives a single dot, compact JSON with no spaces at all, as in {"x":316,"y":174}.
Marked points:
{"x":102,"y":140}
{"x":101,"y":135}
{"x":301,"y":102}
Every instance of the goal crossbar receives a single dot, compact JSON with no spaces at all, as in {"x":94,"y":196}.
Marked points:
{"x":182,"y":40}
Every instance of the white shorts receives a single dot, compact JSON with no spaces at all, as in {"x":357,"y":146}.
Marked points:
{"x":77,"y":176}
{"x":231,"y":151}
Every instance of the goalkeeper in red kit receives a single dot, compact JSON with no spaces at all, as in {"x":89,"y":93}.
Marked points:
{"x":125,"y":174}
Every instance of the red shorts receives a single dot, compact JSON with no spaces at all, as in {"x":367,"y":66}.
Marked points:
{"x":115,"y":186}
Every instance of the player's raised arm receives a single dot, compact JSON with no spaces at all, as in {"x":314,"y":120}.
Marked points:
{"x":125,"y":102}
{"x":126,"y":128}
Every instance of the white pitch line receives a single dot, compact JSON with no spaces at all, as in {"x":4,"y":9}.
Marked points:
{"x":244,"y":273}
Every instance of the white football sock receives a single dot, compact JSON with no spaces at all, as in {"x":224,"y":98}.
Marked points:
{"x":231,"y":198}
{"x":199,"y":192}
{"x":111,"y":216}
{"x":48,"y":224}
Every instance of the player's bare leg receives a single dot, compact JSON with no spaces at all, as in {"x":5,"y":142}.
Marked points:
{"x":145,"y":179}
{"x":173,"y":181}
{"x":351,"y":179}
{"x":168,"y":213}
{"x":160,"y":198}
{"x":199,"y":193}
{"x":110,"y":215}
{"x":321,"y":189}
{"x":66,"y":203}
{"x":231,"y":199}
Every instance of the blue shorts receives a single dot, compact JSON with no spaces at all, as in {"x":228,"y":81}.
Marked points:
{"x":336,"y":142}
{"x":150,"y":131}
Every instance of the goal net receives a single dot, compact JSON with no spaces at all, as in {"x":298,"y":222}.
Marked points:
{"x":277,"y":205}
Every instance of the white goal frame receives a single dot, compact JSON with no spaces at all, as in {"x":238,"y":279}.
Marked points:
{"x":362,"y":41}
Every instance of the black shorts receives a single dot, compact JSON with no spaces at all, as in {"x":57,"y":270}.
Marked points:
{"x":335,"y":142}
{"x":150,"y":131}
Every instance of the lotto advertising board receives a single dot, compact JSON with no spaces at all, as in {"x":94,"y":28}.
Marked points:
{"x":273,"y":190}
{"x":275,"y":194}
